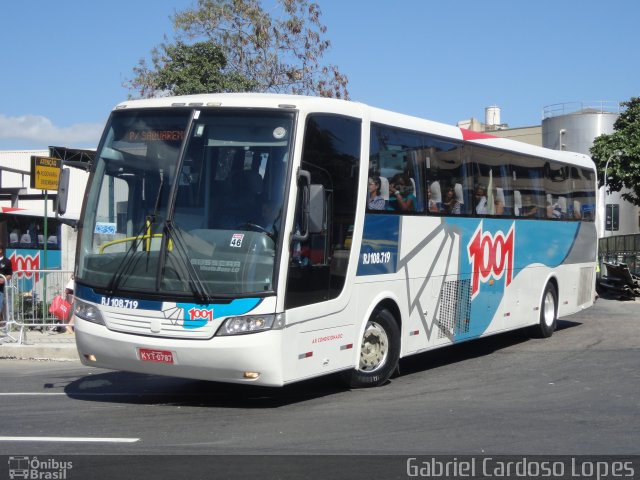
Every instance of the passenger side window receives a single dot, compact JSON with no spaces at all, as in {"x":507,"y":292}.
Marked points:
{"x":528,"y":187}
{"x":583,"y":205}
{"x":447,"y":178}
{"x":396,"y":159}
{"x":492,"y":192}
{"x":557,"y":191}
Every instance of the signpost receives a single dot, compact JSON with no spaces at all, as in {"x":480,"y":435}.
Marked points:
{"x":45,"y":175}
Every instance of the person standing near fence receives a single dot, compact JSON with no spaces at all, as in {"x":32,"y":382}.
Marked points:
{"x":68,"y":294}
{"x":7,"y":271}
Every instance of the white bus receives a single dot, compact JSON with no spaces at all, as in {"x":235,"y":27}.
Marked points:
{"x":227,"y":237}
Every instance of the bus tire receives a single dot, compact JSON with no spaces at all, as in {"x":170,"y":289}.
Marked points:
{"x":548,"y":313}
{"x":379,"y":352}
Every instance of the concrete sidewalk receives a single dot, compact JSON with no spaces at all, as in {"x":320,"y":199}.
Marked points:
{"x":39,"y":345}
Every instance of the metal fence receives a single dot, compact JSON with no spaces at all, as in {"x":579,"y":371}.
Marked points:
{"x":621,"y":249}
{"x":28,"y":299}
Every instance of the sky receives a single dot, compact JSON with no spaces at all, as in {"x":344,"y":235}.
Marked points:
{"x":63,"y":64}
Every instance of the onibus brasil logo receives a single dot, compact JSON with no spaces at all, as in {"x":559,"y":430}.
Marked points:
{"x":491,"y":257}
{"x":35,"y":468}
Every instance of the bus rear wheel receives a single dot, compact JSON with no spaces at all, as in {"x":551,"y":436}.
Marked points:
{"x":379,"y":352}
{"x":548,"y":313}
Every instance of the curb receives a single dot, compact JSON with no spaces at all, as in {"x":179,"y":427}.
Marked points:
{"x":57,"y":353}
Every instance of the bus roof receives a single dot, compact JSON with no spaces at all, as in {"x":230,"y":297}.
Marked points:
{"x":38,"y":212}
{"x":308,"y":104}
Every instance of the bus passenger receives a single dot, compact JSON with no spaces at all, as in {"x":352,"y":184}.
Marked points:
{"x":451,"y":203}
{"x":402,"y":198}
{"x":480,"y":200}
{"x":529,"y":210}
{"x":68,"y":296}
{"x":375,"y":201}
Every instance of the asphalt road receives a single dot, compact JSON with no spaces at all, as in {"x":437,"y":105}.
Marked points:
{"x":576,"y":393}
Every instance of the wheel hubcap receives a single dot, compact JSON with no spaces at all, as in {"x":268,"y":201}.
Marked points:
{"x":549,"y":309}
{"x":374,"y":349}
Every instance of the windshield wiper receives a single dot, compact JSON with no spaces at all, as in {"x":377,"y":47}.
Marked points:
{"x":144,"y":234}
{"x":198,"y":288}
{"x":125,"y":265}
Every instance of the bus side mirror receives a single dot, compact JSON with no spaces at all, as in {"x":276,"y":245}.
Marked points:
{"x":63,"y":191}
{"x":312,"y":207}
{"x":316,"y":208}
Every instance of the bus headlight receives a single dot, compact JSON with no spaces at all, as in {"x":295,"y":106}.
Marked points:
{"x":88,"y":312}
{"x":251,"y":324}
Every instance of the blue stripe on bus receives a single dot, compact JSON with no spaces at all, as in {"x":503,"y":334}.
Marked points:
{"x":86,"y":293}
{"x":196,"y":316}
{"x":239,"y":306}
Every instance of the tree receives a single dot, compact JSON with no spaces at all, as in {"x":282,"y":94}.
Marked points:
{"x":276,"y":51}
{"x":183,"y":69}
{"x":622,"y":149}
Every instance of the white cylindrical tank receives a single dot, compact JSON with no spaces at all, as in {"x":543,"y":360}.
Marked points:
{"x":492,"y":115}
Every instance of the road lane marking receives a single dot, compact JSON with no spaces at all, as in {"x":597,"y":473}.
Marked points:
{"x":69,"y":439}
{"x":74,"y":394}
{"x":26,"y":394}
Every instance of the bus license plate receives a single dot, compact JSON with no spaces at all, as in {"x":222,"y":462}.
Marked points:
{"x":156,"y":356}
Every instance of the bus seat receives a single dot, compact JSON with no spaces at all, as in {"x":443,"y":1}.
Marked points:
{"x":459,"y":194}
{"x":499,"y":203}
{"x":457,"y":188}
{"x":562,"y":201}
{"x":436,"y":194}
{"x":384,"y":190}
{"x":517,"y":203}
{"x":577,"y":210}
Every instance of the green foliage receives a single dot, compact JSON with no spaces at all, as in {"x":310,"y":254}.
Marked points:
{"x":242,"y":47}
{"x":183,"y":69}
{"x":622,"y":149}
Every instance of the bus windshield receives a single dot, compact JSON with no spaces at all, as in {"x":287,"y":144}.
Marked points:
{"x":186,"y":202}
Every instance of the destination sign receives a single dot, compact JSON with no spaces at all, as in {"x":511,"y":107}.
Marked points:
{"x":155,"y":135}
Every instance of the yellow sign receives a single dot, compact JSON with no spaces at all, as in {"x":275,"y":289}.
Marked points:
{"x":45,"y":173}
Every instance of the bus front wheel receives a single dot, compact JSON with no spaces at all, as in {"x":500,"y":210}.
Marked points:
{"x":548,"y":313}
{"x":379,"y":351}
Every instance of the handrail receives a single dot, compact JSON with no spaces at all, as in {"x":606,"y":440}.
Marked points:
{"x":596,"y":106}
{"x":146,"y":237}
{"x":621,"y":248}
